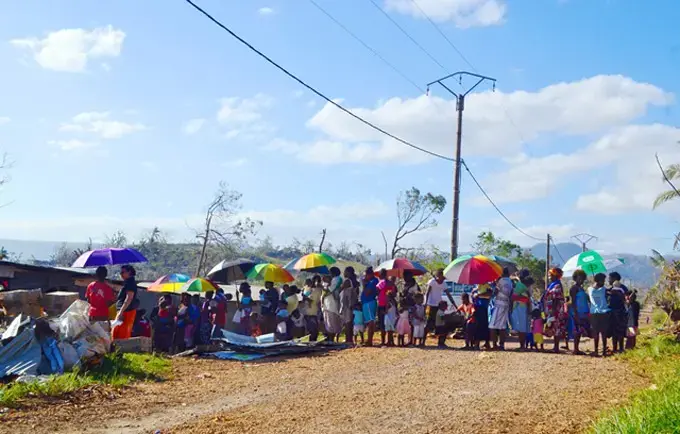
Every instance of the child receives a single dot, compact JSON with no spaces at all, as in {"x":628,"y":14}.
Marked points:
{"x":440,"y":324}
{"x":391,"y":319}
{"x":283,"y":326}
{"x":358,"y":322}
{"x":537,"y":329}
{"x":468,"y":309}
{"x":633,"y":319}
{"x":403,"y":326}
{"x":265,"y":303}
{"x":245,"y":310}
{"x":419,"y":321}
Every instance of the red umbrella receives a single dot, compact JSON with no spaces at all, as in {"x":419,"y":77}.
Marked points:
{"x":396,"y":267}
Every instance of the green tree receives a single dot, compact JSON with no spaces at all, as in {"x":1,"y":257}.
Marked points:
{"x":489,"y":244}
{"x":415,"y":212}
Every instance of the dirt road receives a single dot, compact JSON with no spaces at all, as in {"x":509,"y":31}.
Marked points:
{"x":390,"y":390}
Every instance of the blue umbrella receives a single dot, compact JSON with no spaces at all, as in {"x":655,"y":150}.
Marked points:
{"x":108,"y":256}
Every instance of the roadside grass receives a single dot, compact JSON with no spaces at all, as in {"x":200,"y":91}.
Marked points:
{"x":656,"y":409}
{"x":115,"y":370}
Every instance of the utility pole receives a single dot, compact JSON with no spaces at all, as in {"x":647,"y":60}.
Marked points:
{"x":460,"y":106}
{"x":584,"y":239}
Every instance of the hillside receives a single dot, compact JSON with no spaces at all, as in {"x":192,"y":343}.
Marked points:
{"x":637,"y":268}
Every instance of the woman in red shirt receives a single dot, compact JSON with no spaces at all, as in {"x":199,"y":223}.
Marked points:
{"x":100,"y":296}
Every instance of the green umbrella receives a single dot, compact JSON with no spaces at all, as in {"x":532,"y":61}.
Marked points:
{"x":591,"y":262}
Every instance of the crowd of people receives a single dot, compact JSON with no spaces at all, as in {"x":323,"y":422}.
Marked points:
{"x":358,"y":307}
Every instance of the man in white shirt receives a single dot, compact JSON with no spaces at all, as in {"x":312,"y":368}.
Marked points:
{"x":436,"y":288}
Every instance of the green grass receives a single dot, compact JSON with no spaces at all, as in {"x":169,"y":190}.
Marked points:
{"x":116,"y":370}
{"x":654,"y":410}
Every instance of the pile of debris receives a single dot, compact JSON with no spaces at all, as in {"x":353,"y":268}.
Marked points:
{"x":33,"y":347}
{"x":233,"y":346}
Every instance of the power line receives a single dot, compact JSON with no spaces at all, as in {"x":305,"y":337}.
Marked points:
{"x":359,"y":118}
{"x":368,"y":47}
{"x":462,"y":56}
{"x":494,"y":204}
{"x":309,"y":87}
{"x":416,"y":43}
{"x":554,"y":245}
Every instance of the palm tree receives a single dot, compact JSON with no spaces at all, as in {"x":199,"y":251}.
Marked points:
{"x":669,"y":173}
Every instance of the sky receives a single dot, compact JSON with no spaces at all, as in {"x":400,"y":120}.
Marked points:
{"x":127,"y":115}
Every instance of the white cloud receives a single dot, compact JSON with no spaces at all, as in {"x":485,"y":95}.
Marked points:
{"x":70,"y":50}
{"x":298,"y":94}
{"x":72,"y":145}
{"x":266,"y":11}
{"x":330,"y":216}
{"x":582,"y":107}
{"x":101,"y":124}
{"x":628,"y":150}
{"x":243,"y":117}
{"x":464,"y":13}
{"x":235,"y":163}
{"x":4,"y":120}
{"x":193,"y":126}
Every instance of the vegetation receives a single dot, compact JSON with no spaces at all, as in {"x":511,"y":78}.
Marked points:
{"x":415,"y":212}
{"x":654,"y":410}
{"x":666,"y":293}
{"x":489,"y":244}
{"x":116,"y":370}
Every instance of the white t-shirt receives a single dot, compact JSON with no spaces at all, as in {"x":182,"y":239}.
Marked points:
{"x":436,"y":292}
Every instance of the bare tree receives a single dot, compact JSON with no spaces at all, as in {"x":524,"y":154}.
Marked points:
{"x":415,"y":212}
{"x":117,"y":239}
{"x":220,"y":227}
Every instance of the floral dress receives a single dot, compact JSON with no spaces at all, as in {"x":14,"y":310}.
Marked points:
{"x":557,"y":315}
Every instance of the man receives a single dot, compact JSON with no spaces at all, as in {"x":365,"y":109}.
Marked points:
{"x":436,"y":288}
{"x":100,"y":296}
{"x":268,"y":308}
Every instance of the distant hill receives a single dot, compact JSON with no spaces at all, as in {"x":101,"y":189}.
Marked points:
{"x":39,"y":250}
{"x":637,"y":268}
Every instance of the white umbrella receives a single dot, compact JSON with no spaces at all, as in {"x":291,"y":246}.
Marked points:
{"x":609,"y":261}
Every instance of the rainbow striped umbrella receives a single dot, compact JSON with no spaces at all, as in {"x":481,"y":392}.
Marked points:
{"x":270,"y":273}
{"x":169,"y":283}
{"x":198,"y":285}
{"x":313,"y":260}
{"x":473,"y":270}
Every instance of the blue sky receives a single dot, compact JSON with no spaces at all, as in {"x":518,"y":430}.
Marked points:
{"x":125,"y":115}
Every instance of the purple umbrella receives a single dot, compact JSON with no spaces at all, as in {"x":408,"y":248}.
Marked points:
{"x":109,"y":256}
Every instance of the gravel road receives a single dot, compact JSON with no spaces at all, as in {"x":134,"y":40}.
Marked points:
{"x":390,"y":390}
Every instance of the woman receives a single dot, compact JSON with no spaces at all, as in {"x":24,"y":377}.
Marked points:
{"x":618,"y":322}
{"x":498,"y":324}
{"x":331,"y":306}
{"x":311,"y":300}
{"x":205,"y":327}
{"x":481,"y":298}
{"x":369,"y":305}
{"x":554,"y":302}
{"x":183,"y":320}
{"x":348,"y":298}
{"x":127,"y":304}
{"x":411,"y":288}
{"x":580,"y":309}
{"x":521,"y":307}
{"x":100,"y":296}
